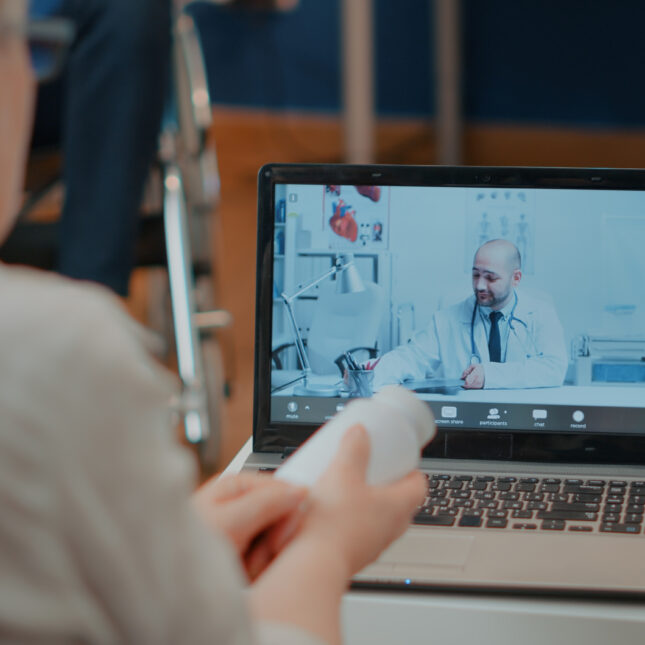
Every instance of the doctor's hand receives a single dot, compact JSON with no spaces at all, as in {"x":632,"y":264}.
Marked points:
{"x":257,"y":513}
{"x":473,"y":377}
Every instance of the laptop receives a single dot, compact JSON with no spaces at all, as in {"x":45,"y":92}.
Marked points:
{"x":536,"y":478}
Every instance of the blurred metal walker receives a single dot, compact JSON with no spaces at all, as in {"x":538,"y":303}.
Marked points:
{"x":190,"y":193}
{"x":176,"y":238}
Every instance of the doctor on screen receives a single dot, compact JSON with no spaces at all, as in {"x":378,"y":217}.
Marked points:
{"x":497,"y":338}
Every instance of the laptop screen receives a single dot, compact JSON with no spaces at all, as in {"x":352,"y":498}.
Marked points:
{"x":512,"y":308}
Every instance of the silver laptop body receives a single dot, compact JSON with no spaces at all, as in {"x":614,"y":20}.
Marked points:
{"x":536,"y":484}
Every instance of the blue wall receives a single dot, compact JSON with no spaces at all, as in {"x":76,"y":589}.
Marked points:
{"x":569,"y":61}
{"x":39,"y":8}
{"x":273,"y":60}
{"x":558,"y":61}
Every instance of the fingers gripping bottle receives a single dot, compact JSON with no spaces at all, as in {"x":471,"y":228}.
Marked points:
{"x":399,"y":425}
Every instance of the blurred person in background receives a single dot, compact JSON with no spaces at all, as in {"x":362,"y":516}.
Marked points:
{"x":110,"y":97}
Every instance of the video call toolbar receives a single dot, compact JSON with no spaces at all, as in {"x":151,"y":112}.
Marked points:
{"x":480,"y":416}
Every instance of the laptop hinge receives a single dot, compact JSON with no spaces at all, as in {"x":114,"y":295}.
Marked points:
{"x":287,"y":452}
{"x":482,"y":445}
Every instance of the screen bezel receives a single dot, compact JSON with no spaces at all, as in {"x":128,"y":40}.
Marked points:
{"x":471,"y":443}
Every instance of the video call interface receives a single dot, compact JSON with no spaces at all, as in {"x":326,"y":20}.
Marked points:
{"x":503,"y":308}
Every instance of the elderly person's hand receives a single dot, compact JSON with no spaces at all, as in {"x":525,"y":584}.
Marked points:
{"x":351,"y":518}
{"x":256,"y":512}
{"x":346,"y":524}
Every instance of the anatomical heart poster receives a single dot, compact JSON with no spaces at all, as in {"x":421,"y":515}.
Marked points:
{"x":356,"y":217}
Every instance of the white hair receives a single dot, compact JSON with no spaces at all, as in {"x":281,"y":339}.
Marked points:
{"x":13,"y":12}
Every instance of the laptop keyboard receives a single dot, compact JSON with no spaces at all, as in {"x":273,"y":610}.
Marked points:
{"x":533,"y":503}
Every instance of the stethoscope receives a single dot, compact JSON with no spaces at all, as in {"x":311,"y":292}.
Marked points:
{"x":475,"y":358}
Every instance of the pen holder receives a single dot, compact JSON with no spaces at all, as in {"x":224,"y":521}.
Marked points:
{"x":360,"y":383}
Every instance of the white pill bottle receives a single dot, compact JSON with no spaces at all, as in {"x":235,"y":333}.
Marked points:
{"x":399,"y":425}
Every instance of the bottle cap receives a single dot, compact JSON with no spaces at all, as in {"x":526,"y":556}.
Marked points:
{"x":417,"y":411}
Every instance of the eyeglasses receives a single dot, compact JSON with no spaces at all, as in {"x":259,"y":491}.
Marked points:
{"x":48,"y":40}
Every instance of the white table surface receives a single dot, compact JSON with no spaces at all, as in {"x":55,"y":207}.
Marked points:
{"x":388,"y":618}
{"x":611,"y":395}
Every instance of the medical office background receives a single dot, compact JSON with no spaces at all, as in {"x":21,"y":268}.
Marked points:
{"x":542,"y":83}
{"x":581,"y":253}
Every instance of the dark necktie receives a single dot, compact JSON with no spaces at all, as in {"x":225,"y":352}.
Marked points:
{"x":494,"y":343}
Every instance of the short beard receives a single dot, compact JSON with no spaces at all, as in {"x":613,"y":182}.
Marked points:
{"x":497,"y":303}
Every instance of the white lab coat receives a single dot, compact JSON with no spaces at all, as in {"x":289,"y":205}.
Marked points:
{"x":535,"y":355}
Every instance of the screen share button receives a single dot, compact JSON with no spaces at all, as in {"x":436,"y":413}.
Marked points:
{"x":449,"y":411}
{"x":448,"y":416}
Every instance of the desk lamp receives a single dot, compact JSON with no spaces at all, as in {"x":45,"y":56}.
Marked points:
{"x":348,"y":281}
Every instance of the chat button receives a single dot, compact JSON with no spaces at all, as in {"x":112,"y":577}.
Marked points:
{"x":539,"y":415}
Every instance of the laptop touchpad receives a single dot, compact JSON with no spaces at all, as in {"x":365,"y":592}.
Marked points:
{"x":429,"y":550}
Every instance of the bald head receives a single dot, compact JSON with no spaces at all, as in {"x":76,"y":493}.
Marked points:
{"x":496,"y":272}
{"x":502,"y":251}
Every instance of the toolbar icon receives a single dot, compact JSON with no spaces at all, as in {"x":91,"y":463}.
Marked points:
{"x":448,"y":411}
